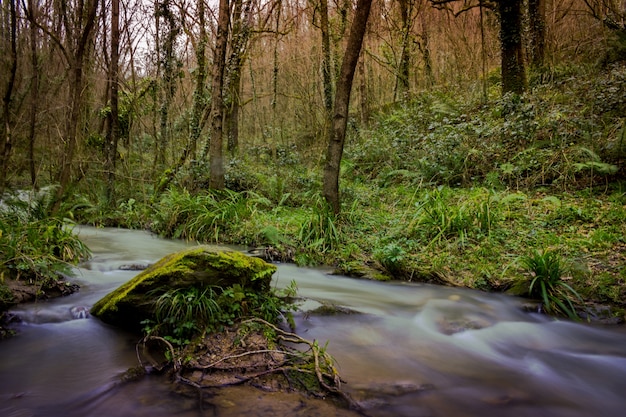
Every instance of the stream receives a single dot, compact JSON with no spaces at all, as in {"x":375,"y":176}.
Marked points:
{"x":414,"y":350}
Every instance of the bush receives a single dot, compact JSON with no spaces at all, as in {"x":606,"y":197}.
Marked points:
{"x":33,"y":246}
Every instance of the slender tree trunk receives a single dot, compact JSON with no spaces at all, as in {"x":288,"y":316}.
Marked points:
{"x":240,"y":38}
{"x":402,"y":79}
{"x":424,"y":46}
{"x":326,"y":58}
{"x":200,"y":93}
{"x":364,"y":98}
{"x":78,"y":59}
{"x":330,"y":188}
{"x":513,"y":65}
{"x":169,"y":79}
{"x":34,"y":105}
{"x":537,"y":19}
{"x":483,"y":51}
{"x":216,"y":174}
{"x":7,"y":141}
{"x":114,"y":121}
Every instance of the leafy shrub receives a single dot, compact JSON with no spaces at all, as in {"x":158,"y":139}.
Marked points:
{"x":392,"y":257}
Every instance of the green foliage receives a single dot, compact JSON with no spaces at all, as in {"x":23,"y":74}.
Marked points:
{"x":319,"y":231}
{"x":546,"y":284}
{"x":33,"y":246}
{"x":183,"y":313}
{"x":438,"y":216}
{"x":207,"y":217}
{"x":392,"y":257}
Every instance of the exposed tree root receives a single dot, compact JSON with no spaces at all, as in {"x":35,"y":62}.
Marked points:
{"x":245,"y":355}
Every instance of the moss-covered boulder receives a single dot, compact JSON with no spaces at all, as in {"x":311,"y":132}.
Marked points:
{"x":200,"y":267}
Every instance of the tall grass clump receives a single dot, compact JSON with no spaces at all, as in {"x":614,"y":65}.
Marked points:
{"x":208,"y":217}
{"x":547,"y":270}
{"x":319,"y":231}
{"x":438,"y":216}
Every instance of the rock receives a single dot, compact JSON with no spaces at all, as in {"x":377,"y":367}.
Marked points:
{"x":202,"y":266}
{"x":79,"y":312}
{"x":133,"y":267}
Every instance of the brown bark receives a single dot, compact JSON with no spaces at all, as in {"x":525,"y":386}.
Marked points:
{"x":537,"y":19}
{"x":77,"y":58}
{"x":7,"y":141}
{"x":326,"y":63}
{"x":330,"y":188}
{"x":34,"y":105}
{"x":513,"y":65}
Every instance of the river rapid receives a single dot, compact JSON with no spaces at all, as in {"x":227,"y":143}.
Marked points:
{"x":414,"y":350}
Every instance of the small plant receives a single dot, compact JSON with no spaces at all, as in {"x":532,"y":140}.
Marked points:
{"x":547,"y":271}
{"x":392,"y":257}
{"x":185,"y":311}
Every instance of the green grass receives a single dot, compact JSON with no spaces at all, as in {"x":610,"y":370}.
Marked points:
{"x":443,"y":188}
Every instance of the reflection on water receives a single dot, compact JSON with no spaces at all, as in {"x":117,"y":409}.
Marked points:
{"x":416,"y":350}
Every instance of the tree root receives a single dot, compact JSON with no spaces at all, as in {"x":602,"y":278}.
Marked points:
{"x":314,"y":361}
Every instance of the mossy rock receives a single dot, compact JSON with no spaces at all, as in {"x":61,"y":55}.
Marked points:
{"x":201,"y":267}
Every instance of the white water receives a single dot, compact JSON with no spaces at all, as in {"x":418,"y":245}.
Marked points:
{"x":472,"y":354}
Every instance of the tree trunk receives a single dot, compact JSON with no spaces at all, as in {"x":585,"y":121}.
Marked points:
{"x":169,"y":78}
{"x":216,"y":174}
{"x":114,"y":121}
{"x":513,"y":66}
{"x":7,"y":141}
{"x":402,"y":78}
{"x":341,"y":108}
{"x":34,"y":105}
{"x":240,"y":38}
{"x":199,"y":95}
{"x":77,"y":63}
{"x":537,"y":19}
{"x":326,"y":63}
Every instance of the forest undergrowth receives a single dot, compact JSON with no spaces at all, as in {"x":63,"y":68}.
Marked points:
{"x":517,"y":194}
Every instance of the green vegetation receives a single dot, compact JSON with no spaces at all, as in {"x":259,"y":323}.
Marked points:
{"x":443,"y":188}
{"x":34,"y":247}
{"x":547,"y":284}
{"x":184,"y":313}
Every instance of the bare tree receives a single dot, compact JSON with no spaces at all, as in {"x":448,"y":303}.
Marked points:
{"x":114,"y":121}
{"x":537,"y":19}
{"x":512,"y":48}
{"x":511,"y":37}
{"x":34,"y":92}
{"x":341,"y":107}
{"x":79,"y":28}
{"x":7,"y":140}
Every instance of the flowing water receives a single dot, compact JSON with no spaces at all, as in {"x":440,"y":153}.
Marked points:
{"x":414,"y":350}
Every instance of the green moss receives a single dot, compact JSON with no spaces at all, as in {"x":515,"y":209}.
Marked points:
{"x":202,"y":266}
